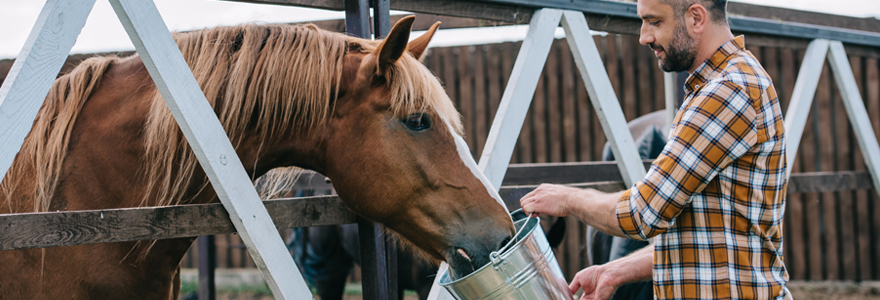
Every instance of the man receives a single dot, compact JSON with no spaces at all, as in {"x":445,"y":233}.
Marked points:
{"x":713,"y":200}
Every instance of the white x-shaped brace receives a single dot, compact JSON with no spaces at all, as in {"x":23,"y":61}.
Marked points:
{"x":805,"y":90}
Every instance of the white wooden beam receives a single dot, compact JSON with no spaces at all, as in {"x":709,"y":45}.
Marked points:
{"x":589,"y":63}
{"x":205,"y":135}
{"x":34,"y":71}
{"x":802,"y":98}
{"x":518,"y":94}
{"x":855,"y":109}
{"x":670,"y":93}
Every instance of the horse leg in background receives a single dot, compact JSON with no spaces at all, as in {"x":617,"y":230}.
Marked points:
{"x":324,"y":263}
{"x":331,"y":263}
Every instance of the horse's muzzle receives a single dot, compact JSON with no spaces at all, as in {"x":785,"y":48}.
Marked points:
{"x":471,"y":255}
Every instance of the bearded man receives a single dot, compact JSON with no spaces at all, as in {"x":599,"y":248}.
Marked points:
{"x":713,"y":201}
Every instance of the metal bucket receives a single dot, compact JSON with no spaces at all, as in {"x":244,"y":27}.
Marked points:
{"x":526,"y":271}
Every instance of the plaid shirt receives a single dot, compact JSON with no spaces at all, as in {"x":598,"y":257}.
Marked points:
{"x":715,"y":197}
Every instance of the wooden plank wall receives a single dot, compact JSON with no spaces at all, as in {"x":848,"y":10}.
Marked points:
{"x":828,"y":235}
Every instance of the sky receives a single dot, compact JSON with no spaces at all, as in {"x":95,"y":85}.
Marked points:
{"x":103,"y":32}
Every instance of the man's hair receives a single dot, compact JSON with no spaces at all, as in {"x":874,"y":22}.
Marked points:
{"x":717,"y":8}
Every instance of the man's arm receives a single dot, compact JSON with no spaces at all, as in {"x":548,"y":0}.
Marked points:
{"x":717,"y":128}
{"x":596,"y":208}
{"x":600,"y":282}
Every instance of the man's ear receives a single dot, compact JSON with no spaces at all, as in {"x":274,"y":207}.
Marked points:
{"x":417,"y":46}
{"x":697,"y":17}
{"x":394,"y":45}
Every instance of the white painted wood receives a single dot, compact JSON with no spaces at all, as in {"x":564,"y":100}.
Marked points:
{"x":855,"y":109}
{"x":518,"y":94}
{"x":512,"y":110}
{"x":590,"y":66}
{"x":438,"y":292}
{"x":802,"y":98}
{"x":205,"y":135}
{"x":34,"y":71}
{"x":670,"y":93}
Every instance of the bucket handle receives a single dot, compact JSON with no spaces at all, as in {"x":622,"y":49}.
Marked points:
{"x":495,"y":256}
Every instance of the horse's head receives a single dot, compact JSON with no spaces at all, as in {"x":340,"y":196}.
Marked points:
{"x":394,"y":154}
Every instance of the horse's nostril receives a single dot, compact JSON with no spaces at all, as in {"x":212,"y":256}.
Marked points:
{"x":464,"y":254}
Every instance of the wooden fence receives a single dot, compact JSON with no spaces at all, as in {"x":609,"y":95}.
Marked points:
{"x":829,"y":234}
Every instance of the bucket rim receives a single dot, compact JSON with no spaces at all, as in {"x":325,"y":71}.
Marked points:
{"x":503,"y":256}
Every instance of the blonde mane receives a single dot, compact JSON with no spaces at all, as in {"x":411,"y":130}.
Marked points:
{"x":263,"y":80}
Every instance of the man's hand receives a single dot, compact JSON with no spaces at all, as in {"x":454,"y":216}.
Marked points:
{"x":598,"y":282}
{"x":551,"y":199}
{"x":596,"y":208}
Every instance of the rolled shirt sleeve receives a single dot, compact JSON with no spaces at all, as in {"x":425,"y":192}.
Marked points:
{"x":717,"y":127}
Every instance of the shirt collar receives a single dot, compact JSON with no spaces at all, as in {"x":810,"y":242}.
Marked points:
{"x":715,"y":63}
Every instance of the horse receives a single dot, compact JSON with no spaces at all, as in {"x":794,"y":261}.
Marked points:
{"x":366,"y":114}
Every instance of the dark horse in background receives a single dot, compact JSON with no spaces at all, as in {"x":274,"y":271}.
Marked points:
{"x":366,"y":114}
{"x":649,"y":133}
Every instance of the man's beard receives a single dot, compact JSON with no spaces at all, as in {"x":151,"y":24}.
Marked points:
{"x":680,"y":54}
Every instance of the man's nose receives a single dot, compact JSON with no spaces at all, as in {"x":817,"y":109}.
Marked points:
{"x":645,"y":36}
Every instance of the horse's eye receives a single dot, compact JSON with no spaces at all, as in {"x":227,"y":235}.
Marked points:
{"x":417,"y":122}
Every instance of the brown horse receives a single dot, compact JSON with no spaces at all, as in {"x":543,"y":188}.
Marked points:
{"x":366,"y":114}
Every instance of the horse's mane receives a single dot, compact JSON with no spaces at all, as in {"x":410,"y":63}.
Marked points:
{"x":263,"y":79}
{"x":44,"y":149}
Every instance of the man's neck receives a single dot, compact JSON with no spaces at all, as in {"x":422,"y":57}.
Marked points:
{"x":712,"y":40}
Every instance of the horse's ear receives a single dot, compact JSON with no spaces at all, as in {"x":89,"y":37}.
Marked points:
{"x":394,"y":45}
{"x":417,"y":46}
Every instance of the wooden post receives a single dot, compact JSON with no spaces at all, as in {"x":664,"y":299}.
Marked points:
{"x":381,"y":28}
{"x":802,"y":98}
{"x":207,"y":262}
{"x":381,"y":18}
{"x":209,"y":142}
{"x":376,"y":268}
{"x":357,"y":18}
{"x":34,"y":71}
